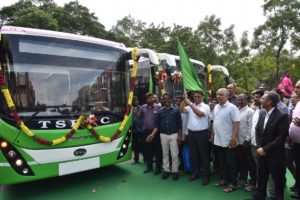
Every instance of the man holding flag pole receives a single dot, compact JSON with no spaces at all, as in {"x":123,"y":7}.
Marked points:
{"x":198,"y":123}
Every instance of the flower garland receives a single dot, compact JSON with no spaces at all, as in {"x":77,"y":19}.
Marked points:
{"x":161,"y":77}
{"x":130,"y":99}
{"x":83,"y":120}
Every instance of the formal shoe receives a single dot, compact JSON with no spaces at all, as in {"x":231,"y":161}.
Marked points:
{"x":221,"y":183}
{"x":147,"y":170}
{"x":135,"y":162}
{"x":250,"y":188}
{"x":175,"y":176}
{"x":157,"y":171}
{"x":193,"y":177}
{"x":205,"y":181}
{"x":165,"y":175}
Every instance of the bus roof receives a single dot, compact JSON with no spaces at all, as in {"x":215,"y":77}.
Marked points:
{"x":167,"y":56}
{"x":192,"y":61}
{"x":61,"y":35}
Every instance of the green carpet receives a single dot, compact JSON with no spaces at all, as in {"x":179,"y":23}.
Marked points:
{"x":123,"y":181}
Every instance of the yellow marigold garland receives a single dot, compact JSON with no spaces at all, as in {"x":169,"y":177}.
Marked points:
{"x":59,"y":140}
{"x":9,"y":101}
{"x":26,"y":130}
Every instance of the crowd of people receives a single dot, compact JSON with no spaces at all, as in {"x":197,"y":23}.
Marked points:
{"x":250,"y":139}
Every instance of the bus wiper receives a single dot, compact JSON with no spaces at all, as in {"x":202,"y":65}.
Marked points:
{"x":33,"y":116}
{"x":65,"y":110}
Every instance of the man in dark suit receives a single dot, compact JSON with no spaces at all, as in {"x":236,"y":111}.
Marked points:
{"x":271,"y":131}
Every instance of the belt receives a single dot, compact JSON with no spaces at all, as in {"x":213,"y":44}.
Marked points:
{"x":201,"y":131}
{"x":168,"y":133}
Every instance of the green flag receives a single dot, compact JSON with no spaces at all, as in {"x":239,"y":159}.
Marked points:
{"x":190,"y":77}
{"x":150,"y":84}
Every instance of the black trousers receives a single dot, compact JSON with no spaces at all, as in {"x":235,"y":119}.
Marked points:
{"x":247,"y":164}
{"x":151,"y":149}
{"x":297,"y":161}
{"x":180,"y":147}
{"x":273,"y":164}
{"x":228,"y":162}
{"x":199,"y":147}
{"x":137,"y":145}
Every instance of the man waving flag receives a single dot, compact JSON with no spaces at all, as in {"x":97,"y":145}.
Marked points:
{"x":190,"y":77}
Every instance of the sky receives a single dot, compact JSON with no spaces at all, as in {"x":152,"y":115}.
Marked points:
{"x":245,"y":15}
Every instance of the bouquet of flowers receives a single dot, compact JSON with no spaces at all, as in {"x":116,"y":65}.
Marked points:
{"x":92,"y":120}
{"x":176,"y":76}
{"x":161,"y":75}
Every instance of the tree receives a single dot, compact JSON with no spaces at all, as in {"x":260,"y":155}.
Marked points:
{"x":187,"y":38}
{"x":45,"y":14}
{"x":128,"y":27}
{"x":79,"y":20}
{"x":281,"y":27}
{"x":210,"y":35}
{"x":264,"y":63}
{"x":25,"y":13}
{"x":155,"y":37}
{"x":229,"y":55}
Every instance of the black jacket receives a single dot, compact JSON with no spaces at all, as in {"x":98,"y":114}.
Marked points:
{"x":272,"y":138}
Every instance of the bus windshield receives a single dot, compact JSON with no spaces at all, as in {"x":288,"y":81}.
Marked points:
{"x":58,"y":77}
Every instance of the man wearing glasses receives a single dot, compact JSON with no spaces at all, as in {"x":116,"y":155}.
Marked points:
{"x":198,"y":134}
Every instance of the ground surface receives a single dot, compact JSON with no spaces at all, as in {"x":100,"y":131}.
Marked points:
{"x":122,"y":181}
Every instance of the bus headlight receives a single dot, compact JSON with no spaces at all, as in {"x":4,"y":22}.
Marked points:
{"x":12,"y":154}
{"x":125,"y":145}
{"x":15,"y":158}
{"x":25,"y":171}
{"x":19,"y":162}
{"x":4,"y":144}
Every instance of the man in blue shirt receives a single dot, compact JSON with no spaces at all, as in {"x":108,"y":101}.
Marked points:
{"x":168,"y":123}
{"x":137,"y":131}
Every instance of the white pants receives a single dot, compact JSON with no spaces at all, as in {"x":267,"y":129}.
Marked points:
{"x":169,"y":143}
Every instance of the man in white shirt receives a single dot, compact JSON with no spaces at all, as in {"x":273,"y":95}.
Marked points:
{"x":257,"y":94}
{"x":225,"y":136}
{"x":246,"y":162}
{"x":184,"y":132}
{"x":198,"y":134}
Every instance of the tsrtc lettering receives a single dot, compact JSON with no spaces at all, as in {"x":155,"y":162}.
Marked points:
{"x":64,"y":123}
{"x":60,"y":124}
{"x":44,"y":123}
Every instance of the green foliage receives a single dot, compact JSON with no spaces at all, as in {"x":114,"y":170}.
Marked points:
{"x":45,"y":14}
{"x":282,"y":26}
{"x":154,"y":37}
{"x":36,"y":18}
{"x":210,"y":35}
{"x":128,"y":27}
{"x":249,"y":62}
